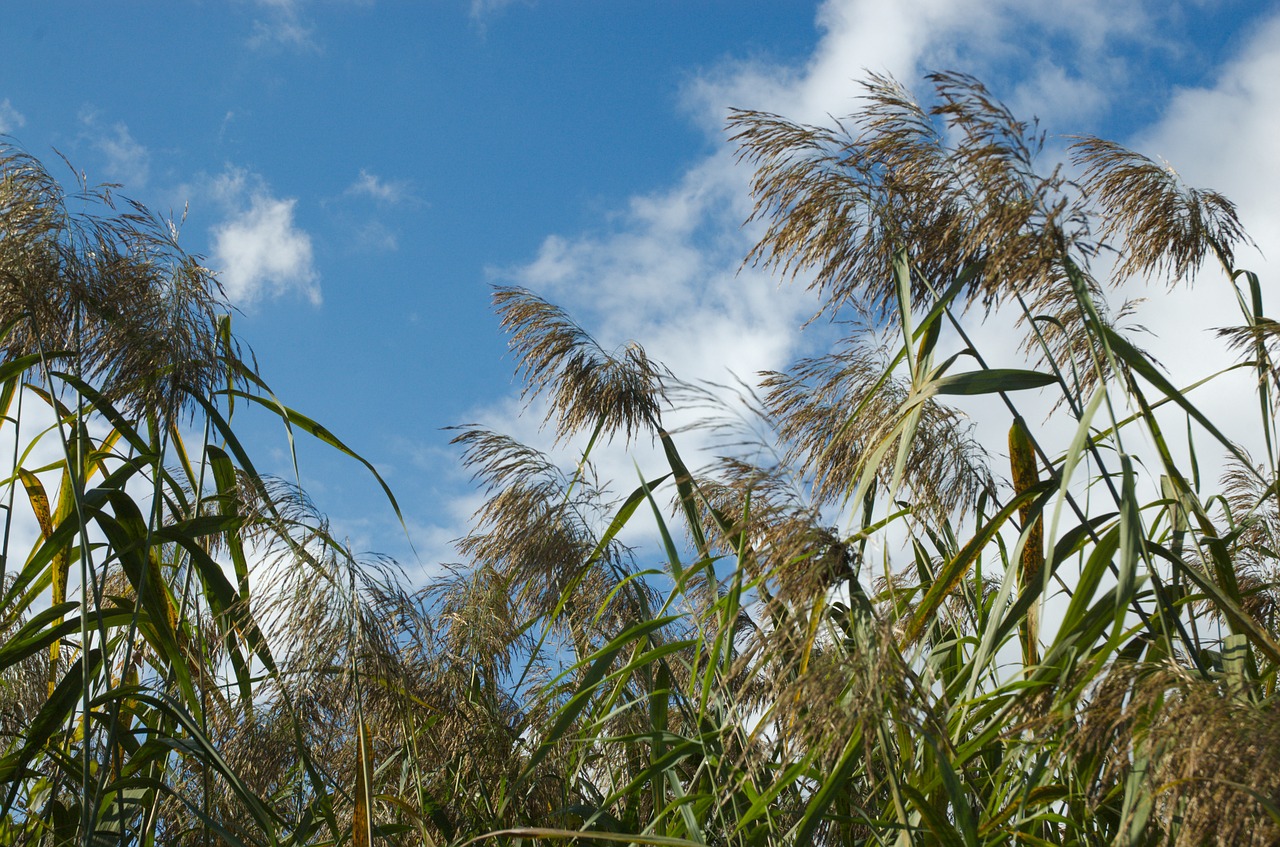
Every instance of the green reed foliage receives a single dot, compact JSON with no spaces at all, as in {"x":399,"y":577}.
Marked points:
{"x":870,"y":636}
{"x":860,"y":624}
{"x":182,"y":622}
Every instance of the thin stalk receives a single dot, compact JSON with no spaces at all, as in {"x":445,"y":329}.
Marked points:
{"x":13,"y":467}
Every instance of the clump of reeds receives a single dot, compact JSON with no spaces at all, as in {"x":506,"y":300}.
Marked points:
{"x":854,"y":627}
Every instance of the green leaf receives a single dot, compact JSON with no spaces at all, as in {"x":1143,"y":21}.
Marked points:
{"x":992,"y":381}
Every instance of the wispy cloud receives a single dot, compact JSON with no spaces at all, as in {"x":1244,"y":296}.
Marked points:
{"x":127,"y":161}
{"x":363,"y":205}
{"x":259,"y":249}
{"x":283,"y":26}
{"x":10,"y":118}
{"x":376,"y":237}
{"x":389,"y":192}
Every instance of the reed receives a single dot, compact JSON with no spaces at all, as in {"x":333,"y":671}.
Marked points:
{"x":850,"y":630}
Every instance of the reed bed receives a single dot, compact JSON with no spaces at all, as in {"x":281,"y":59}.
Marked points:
{"x":888,"y":632}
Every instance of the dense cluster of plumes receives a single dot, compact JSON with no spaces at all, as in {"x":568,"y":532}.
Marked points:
{"x":835,"y":411}
{"x":588,"y":387}
{"x":109,"y":295}
{"x":963,"y":196}
{"x":1198,"y":756}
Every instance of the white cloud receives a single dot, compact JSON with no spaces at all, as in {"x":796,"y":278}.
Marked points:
{"x":10,"y":118}
{"x":259,"y":250}
{"x":127,"y":161}
{"x":1222,"y":137}
{"x":1073,"y":98}
{"x":283,"y":27}
{"x":390,"y":192}
{"x":663,"y":278}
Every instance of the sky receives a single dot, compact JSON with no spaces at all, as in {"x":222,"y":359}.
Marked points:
{"x":362,"y":172}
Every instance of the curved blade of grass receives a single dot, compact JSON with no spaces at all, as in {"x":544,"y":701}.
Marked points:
{"x":1141,"y":365}
{"x":362,"y":814}
{"x":295,"y":418}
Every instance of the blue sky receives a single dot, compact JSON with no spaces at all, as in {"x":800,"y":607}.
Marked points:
{"x":362,"y":172}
